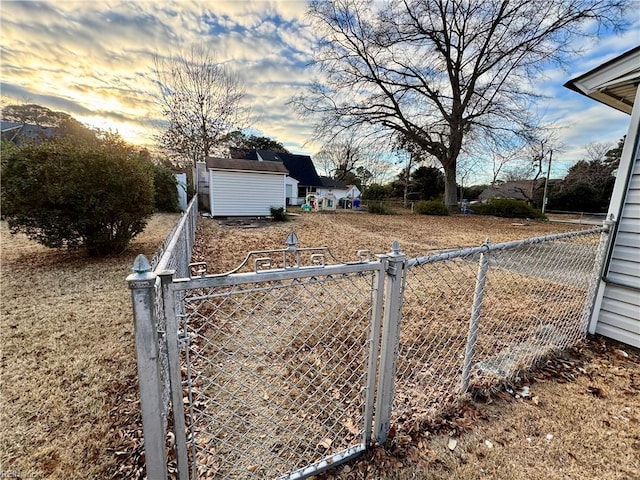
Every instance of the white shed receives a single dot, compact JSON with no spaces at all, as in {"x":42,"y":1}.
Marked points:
{"x":616,"y":311}
{"x":239,"y":188}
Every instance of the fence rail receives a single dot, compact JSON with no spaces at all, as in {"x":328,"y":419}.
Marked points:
{"x":152,"y":347}
{"x":277,"y":361}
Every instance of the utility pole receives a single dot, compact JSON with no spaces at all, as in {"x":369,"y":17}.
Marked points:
{"x":546,"y":183}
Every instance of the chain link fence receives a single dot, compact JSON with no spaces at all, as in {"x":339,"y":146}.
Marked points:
{"x":474,"y":318}
{"x":274,"y":367}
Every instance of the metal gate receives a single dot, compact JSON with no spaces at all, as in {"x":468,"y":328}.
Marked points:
{"x":273,"y":365}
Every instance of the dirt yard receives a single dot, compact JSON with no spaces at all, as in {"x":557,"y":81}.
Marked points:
{"x":69,"y":407}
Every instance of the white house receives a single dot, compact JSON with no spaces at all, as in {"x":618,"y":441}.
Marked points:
{"x":239,"y":188}
{"x":291,"y":185}
{"x":616,"y":312}
{"x":338,"y":189}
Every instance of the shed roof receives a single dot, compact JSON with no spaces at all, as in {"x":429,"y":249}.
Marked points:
{"x":216,"y":163}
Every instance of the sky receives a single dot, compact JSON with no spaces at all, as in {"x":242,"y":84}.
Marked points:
{"x":94,"y":60}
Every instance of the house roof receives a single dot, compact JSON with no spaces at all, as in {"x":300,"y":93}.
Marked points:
{"x":514,"y":190}
{"x":300,"y":167}
{"x":613,"y":83}
{"x":20,"y":133}
{"x":329,"y":182}
{"x":216,"y":163}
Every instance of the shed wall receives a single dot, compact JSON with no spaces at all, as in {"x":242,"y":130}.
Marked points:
{"x":245,"y":193}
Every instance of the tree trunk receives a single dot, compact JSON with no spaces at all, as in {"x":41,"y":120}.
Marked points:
{"x":450,"y":188}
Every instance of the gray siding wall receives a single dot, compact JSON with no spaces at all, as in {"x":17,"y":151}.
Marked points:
{"x":620,"y":308}
{"x":245,"y":193}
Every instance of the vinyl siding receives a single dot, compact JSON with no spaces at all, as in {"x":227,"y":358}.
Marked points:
{"x":619,"y":316}
{"x":241,"y":194}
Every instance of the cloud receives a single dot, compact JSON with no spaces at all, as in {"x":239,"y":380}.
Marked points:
{"x":94,"y":60}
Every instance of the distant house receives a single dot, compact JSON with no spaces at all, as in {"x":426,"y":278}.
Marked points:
{"x":338,"y":189}
{"x":510,"y":190}
{"x":21,"y":133}
{"x":237,"y":188}
{"x":525,"y":190}
{"x":302,"y":172}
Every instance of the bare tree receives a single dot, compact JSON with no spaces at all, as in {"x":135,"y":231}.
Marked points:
{"x":201,"y":100}
{"x":435,"y":71}
{"x":353,"y":157}
{"x":468,"y":167}
{"x":597,"y":151}
{"x":341,"y":157}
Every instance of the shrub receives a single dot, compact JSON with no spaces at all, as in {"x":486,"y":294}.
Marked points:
{"x":95,"y":193}
{"x":378,"y":207}
{"x":166,"y":189}
{"x":507,"y":208}
{"x":279,"y":214}
{"x":376,"y":192}
{"x":431,"y":207}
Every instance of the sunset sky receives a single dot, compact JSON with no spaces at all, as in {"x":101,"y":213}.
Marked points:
{"x":94,"y":61}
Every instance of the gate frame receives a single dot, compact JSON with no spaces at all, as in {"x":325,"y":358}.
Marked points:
{"x":173,"y":286}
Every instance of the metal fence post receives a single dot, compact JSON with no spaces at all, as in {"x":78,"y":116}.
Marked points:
{"x":395,"y":268}
{"x":143,"y":294}
{"x":476,"y":311}
{"x":175,"y":375}
{"x":595,"y":294}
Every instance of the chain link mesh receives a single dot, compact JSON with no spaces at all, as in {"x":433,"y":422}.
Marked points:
{"x":276,"y":373}
{"x":173,"y":254}
{"x":536,"y":300}
{"x":433,"y":334}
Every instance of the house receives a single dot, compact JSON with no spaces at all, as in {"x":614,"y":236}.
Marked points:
{"x":20,"y":133}
{"x":303,"y":176}
{"x":526,"y":190}
{"x":236,"y":188}
{"x":338,"y":189}
{"x":616,"y":312}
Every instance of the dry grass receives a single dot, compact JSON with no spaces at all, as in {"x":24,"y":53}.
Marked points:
{"x":507,"y":424}
{"x":68,"y":363}
{"x":67,"y":355}
{"x":348,"y":232}
{"x":582,"y":421}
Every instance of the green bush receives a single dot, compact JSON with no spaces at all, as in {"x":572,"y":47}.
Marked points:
{"x":166,"y":189}
{"x":95,"y":193}
{"x":379,"y":207}
{"x":431,"y":207}
{"x":279,"y":214}
{"x":507,"y":208}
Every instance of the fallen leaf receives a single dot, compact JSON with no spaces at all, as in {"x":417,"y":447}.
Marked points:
{"x":252,"y":468}
{"x":325,"y":443}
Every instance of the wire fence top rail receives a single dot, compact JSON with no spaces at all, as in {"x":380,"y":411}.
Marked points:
{"x":489,"y":247}
{"x":170,"y":243}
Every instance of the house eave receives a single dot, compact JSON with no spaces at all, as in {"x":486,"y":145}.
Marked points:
{"x":613,"y":83}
